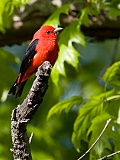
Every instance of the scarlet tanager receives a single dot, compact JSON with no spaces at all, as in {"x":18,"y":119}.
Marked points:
{"x":43,"y":47}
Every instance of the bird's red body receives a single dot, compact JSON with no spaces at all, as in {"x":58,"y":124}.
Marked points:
{"x":43,"y":47}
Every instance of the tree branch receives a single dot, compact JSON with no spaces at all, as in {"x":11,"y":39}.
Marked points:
{"x":23,"y":113}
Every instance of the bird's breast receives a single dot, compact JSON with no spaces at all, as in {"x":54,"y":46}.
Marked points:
{"x":45,"y":52}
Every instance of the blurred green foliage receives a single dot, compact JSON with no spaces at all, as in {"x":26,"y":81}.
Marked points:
{"x":83,"y":91}
{"x":7,"y":8}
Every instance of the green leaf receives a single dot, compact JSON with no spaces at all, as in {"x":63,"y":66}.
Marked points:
{"x":67,"y":52}
{"x":95,"y":131}
{"x":100,"y":121}
{"x":114,"y":12}
{"x":72,"y":33}
{"x":70,"y":55}
{"x":109,"y":137}
{"x":112,"y":75}
{"x":83,"y":122}
{"x":65,"y":104}
{"x":87,"y":113}
{"x":7,"y":10}
{"x":84,"y":18}
{"x":54,"y":19}
{"x":113,"y":100}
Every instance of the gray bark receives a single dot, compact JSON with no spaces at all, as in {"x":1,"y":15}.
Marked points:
{"x":23,"y":113}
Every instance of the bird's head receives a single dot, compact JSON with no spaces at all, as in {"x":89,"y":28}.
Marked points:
{"x":48,"y":32}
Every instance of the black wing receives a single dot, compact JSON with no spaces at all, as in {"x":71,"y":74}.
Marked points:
{"x":30,"y":52}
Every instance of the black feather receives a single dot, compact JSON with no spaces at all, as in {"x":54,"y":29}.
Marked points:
{"x":17,"y":88}
{"x":30,"y":52}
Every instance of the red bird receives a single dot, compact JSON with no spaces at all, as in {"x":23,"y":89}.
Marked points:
{"x":43,"y":47}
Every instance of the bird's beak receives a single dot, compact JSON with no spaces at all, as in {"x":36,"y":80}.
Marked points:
{"x":58,"y":29}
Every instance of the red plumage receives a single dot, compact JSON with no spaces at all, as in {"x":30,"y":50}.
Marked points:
{"x":43,"y":47}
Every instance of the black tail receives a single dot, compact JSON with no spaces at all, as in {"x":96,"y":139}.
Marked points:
{"x":17,"y":89}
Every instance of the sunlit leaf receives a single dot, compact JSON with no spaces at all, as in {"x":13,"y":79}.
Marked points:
{"x":67,"y":52}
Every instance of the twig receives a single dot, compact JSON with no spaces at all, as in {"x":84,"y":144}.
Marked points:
{"x":23,"y":113}
{"x":31,"y":136}
{"x":106,"y":125}
{"x":110,"y":155}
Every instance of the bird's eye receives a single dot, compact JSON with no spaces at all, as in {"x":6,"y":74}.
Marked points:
{"x":48,"y":32}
